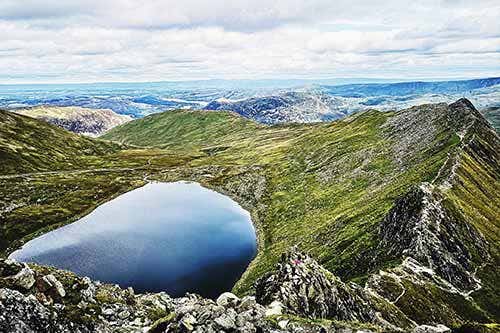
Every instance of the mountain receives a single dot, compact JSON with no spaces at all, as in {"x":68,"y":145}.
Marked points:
{"x":397,"y":212}
{"x":300,"y":107}
{"x":30,"y":145}
{"x":182,"y":128}
{"x":411,"y":88}
{"x":268,"y":101}
{"x":91,"y":122}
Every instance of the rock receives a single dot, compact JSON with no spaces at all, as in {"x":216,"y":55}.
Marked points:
{"x":188,"y":321}
{"x":227,"y":299}
{"x":283,"y":323}
{"x":25,"y":278}
{"x":275,"y":308}
{"x":247,"y":303}
{"x":431,"y":329}
{"x":50,"y":282}
{"x":108,"y":312}
{"x":305,"y":288}
{"x":421,"y":227}
{"x":227,"y":320}
{"x":9,"y":267}
{"x":123,"y":314}
{"x":24,"y":314}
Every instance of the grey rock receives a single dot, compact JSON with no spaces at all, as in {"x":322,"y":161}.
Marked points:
{"x":431,"y":329}
{"x":50,"y":282}
{"x":227,"y":320}
{"x":25,"y":278}
{"x":227,"y":299}
{"x":307,"y":289}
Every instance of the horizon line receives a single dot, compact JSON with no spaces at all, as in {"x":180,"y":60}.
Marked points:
{"x":312,"y":80}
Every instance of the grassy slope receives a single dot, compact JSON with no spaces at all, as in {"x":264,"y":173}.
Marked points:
{"x":177,"y":129}
{"x":325,"y":186}
{"x":28,"y":145}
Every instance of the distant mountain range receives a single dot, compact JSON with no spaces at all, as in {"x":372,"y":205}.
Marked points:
{"x":410,"y":88}
{"x":301,"y":107}
{"x":269,"y":102}
{"x":324,"y":103}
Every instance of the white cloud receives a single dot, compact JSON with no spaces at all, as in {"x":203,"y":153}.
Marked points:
{"x":161,"y":40}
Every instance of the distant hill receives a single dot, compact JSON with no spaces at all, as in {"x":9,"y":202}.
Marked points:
{"x":183,"y":128}
{"x":296,"y":106}
{"x":410,"y":88}
{"x":91,"y":122}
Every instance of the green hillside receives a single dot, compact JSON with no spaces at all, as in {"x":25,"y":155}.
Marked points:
{"x":334,"y":189}
{"x":183,"y":129}
{"x":28,"y":145}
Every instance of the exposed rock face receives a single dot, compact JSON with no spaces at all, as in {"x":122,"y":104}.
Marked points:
{"x":302,"y":287}
{"x":419,"y":226}
{"x":91,"y":122}
{"x":307,"y":289}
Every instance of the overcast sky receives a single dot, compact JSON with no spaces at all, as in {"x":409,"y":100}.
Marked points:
{"x":155,"y":40}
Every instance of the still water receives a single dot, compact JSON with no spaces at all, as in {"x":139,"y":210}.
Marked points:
{"x":174,"y":237}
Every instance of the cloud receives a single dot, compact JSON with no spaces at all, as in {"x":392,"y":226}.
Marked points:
{"x":128,"y":40}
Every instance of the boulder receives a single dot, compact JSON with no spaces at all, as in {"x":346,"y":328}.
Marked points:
{"x":227,"y":299}
{"x":25,"y":278}
{"x":431,"y":329}
{"x":50,"y":283}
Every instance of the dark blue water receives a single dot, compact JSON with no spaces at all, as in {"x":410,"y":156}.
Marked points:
{"x":173,"y":237}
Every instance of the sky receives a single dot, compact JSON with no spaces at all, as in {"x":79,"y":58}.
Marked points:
{"x":54,"y":41}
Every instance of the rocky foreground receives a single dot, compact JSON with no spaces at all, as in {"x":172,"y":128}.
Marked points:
{"x":299,"y":296}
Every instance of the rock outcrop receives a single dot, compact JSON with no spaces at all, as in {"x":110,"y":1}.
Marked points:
{"x":421,"y":227}
{"x":306,"y":289}
{"x":292,"y":300}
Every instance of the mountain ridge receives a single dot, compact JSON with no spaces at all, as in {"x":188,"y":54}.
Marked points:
{"x":85,"y":121}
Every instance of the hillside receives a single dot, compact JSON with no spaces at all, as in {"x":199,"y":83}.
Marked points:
{"x":183,"y":129}
{"x":28,"y":145}
{"x":91,"y":122}
{"x":403,"y":203}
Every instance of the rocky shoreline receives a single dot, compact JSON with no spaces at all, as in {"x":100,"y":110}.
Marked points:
{"x":299,"y":296}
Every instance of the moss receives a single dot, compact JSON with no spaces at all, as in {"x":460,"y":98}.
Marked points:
{"x":161,"y":324}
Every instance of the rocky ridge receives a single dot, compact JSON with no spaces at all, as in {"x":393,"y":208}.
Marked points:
{"x":90,"y":122}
